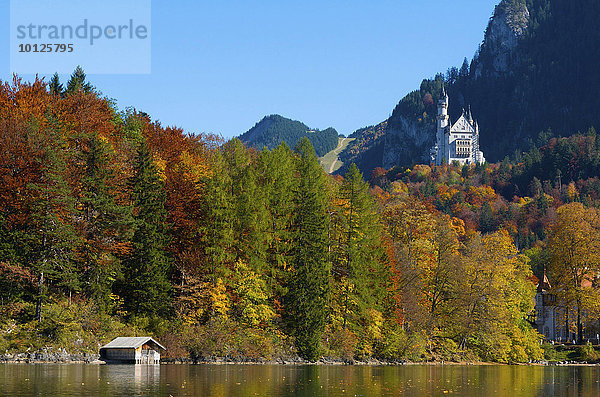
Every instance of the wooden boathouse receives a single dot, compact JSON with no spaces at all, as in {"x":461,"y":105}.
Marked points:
{"x":132,"y":350}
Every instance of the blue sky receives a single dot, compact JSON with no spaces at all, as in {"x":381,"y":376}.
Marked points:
{"x":220,"y":66}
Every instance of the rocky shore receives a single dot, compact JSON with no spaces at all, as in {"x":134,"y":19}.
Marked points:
{"x":62,"y":356}
{"x":49,"y":356}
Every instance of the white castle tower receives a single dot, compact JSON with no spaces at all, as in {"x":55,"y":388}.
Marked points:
{"x":459,"y":142}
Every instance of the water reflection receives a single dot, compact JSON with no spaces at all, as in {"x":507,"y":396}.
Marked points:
{"x":277,"y":380}
{"x":134,"y":379}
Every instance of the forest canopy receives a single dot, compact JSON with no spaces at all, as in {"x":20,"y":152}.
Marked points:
{"x":113,"y":224}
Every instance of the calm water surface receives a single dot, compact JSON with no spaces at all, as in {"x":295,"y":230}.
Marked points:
{"x":279,"y":380}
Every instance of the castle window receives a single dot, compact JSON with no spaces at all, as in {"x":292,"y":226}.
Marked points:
{"x":463,"y":148}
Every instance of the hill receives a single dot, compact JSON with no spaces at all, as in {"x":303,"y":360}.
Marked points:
{"x":274,"y":129}
{"x":533,"y":74}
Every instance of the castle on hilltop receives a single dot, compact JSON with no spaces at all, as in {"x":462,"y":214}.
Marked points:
{"x":459,"y":142}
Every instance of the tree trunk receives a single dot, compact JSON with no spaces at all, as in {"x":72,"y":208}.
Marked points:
{"x":579,"y":324}
{"x":38,"y":306}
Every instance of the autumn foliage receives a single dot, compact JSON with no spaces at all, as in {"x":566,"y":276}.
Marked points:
{"x":111,"y":223}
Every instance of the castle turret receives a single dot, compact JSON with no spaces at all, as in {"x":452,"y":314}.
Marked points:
{"x":443,"y":122}
{"x":443,"y":119}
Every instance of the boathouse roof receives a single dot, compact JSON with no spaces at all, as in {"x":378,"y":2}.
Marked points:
{"x":133,"y":342}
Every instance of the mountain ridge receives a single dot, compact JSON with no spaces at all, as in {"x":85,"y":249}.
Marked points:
{"x":274,"y":129}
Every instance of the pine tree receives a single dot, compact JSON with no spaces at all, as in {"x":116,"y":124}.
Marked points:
{"x":309,"y":288}
{"x":105,"y":223}
{"x":145,"y":286}
{"x":77,"y":82}
{"x":51,"y":239}
{"x":55,"y":87}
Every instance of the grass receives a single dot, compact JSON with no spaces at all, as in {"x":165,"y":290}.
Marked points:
{"x":330,"y":161}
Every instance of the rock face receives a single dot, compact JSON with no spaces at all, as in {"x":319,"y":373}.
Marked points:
{"x":507,"y":26}
{"x":407,"y":141}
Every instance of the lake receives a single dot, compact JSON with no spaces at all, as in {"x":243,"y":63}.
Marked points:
{"x":304,"y":380}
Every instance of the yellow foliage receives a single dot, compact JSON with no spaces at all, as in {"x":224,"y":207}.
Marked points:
{"x":574,"y":247}
{"x":422,"y":171}
{"x":161,"y":166}
{"x":194,"y":168}
{"x":200,"y":300}
{"x":254,"y":296}
{"x":375,"y":324}
{"x":458,"y":225}
{"x":572,"y":192}
{"x":219,"y":299}
{"x":399,"y":188}
{"x":481,"y":194}
{"x":525,"y":201}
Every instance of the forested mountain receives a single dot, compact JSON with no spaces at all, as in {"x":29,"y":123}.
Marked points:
{"x":275,"y":129}
{"x":536,"y":71}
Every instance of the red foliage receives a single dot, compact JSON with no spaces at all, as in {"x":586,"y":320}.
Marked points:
{"x":427,"y":100}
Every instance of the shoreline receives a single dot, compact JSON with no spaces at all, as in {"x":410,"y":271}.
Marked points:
{"x":94,"y":359}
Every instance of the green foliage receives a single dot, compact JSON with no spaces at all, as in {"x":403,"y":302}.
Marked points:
{"x":550,"y":353}
{"x":55,"y":87}
{"x":225,"y":338}
{"x":77,"y":328}
{"x":397,"y":344}
{"x":217,"y":231}
{"x":273,"y":130}
{"x":145,"y":286}
{"x":50,"y":243}
{"x":77,"y":82}
{"x":248,"y":210}
{"x":356,"y":257}
{"x":587,"y":353}
{"x":276,"y":176}
{"x":309,"y":287}
{"x":106,"y":223}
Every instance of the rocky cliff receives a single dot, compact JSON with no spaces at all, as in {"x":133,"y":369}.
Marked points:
{"x":506,"y":28}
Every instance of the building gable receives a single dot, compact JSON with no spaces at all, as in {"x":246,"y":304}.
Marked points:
{"x":132,"y":343}
{"x":462,"y":125}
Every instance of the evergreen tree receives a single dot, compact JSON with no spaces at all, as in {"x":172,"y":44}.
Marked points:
{"x":217,"y":231}
{"x":77,"y":82}
{"x":51,"y":239}
{"x":309,"y":288}
{"x":249,"y":208}
{"x":145,"y":286}
{"x":275,"y":174}
{"x":105,"y":223}
{"x":487,"y":222}
{"x":55,"y":87}
{"x":463,"y":74}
